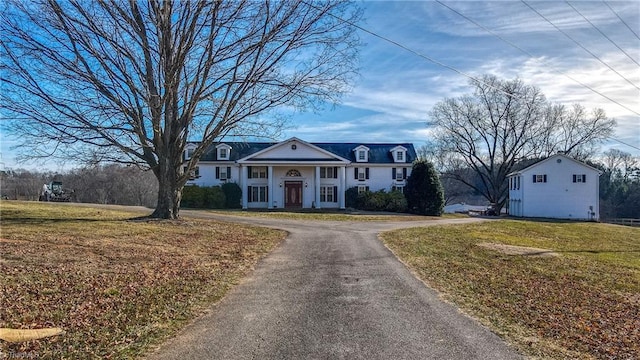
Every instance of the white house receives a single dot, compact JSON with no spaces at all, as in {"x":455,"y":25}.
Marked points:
{"x":556,"y":187}
{"x":297,"y":174}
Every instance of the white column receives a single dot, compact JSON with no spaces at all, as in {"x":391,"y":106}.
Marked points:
{"x":341,"y":189}
{"x":270,"y":187}
{"x":317,"y":187}
{"x":243,"y":186}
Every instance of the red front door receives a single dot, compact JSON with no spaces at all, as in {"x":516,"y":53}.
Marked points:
{"x":293,"y":194}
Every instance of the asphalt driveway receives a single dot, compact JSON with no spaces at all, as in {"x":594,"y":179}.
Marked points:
{"x":332,"y":290}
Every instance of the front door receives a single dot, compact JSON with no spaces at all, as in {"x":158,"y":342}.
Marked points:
{"x":293,"y":194}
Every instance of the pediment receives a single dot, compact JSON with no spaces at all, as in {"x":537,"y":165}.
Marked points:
{"x":294,"y":150}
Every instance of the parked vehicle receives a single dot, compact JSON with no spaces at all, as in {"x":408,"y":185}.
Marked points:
{"x":55,"y":192}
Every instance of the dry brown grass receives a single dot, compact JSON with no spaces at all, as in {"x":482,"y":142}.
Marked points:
{"x":117,"y":286}
{"x":582,"y":304}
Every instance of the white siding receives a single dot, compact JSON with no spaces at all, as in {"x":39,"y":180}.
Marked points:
{"x":558,"y":197}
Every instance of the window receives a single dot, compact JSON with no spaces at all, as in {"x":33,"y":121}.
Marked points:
{"x":361,"y":153}
{"x":518,"y":183}
{"x":328,"y":172}
{"x":582,"y":178}
{"x":361,"y":175}
{"x":223,"y":151}
{"x":400,"y":156}
{"x":257,"y":172}
{"x":362,"y":189}
{"x":293,"y":173}
{"x":223,"y":172}
{"x":258,"y":193}
{"x":398,"y":188}
{"x":540,"y":178}
{"x":328,"y":194}
{"x":188,"y":153}
{"x":398,"y":174}
{"x":193,"y":174}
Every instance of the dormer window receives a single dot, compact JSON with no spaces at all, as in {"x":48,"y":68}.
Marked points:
{"x":188,"y":152}
{"x":399,"y":154}
{"x":223,"y":151}
{"x":361,"y":153}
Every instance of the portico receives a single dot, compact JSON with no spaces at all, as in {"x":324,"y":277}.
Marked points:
{"x":293,"y":174}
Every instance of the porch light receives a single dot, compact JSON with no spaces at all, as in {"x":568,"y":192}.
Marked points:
{"x":281,"y":184}
{"x":306,"y":184}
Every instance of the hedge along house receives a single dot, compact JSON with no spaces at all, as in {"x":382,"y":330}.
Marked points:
{"x":557,"y":187}
{"x":295,"y":174}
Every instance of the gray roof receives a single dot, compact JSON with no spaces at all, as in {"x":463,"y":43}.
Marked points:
{"x":379,"y":153}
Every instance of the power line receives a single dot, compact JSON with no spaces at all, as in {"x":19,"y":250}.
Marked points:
{"x":624,"y":143}
{"x":621,"y":20}
{"x":351,"y":23}
{"x":534,"y":57}
{"x":413,"y":51}
{"x":603,"y":34}
{"x":577,"y":43}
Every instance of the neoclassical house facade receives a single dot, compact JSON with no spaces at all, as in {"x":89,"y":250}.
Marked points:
{"x":297,"y":174}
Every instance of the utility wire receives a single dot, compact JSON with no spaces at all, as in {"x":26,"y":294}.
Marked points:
{"x":432,"y":60}
{"x":603,"y":34}
{"x":537,"y":58}
{"x":351,"y":23}
{"x":624,"y":143}
{"x":577,"y":43}
{"x":621,"y":20}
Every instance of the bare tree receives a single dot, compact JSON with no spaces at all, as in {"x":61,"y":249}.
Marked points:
{"x":504,"y":123}
{"x":132,"y":81}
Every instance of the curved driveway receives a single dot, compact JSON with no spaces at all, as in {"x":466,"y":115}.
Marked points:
{"x":332,"y":290}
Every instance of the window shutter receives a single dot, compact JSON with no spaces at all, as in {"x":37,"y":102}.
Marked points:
{"x":393,"y":173}
{"x":266,"y":194}
{"x":335,"y":194}
{"x":335,"y":172}
{"x":249,"y":193}
{"x":366,"y":172}
{"x":355,"y":172}
{"x":366,"y":188}
{"x":574,"y":177}
{"x":249,"y":172}
{"x":584,"y":178}
{"x":544,"y":178}
{"x":404,"y":173}
{"x":534,"y":177}
{"x":217,"y":172}
{"x":228,"y":172}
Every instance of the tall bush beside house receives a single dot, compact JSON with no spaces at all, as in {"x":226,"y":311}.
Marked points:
{"x":424,"y":191}
{"x":214,"y":198}
{"x":203,"y":197}
{"x":233,"y":195}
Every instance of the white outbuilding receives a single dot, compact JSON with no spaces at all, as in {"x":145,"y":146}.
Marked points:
{"x":557,"y":187}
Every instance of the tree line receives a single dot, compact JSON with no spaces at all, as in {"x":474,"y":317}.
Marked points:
{"x":102,"y":184}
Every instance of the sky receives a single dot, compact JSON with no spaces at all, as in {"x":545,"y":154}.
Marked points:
{"x":396,"y":88}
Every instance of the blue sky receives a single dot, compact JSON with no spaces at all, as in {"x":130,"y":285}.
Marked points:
{"x":396,"y":89}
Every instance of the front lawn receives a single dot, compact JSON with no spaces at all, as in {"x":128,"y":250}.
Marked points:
{"x":583,"y":303}
{"x":116,"y":285}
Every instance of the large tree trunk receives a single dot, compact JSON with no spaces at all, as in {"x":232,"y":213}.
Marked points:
{"x":169,"y":192}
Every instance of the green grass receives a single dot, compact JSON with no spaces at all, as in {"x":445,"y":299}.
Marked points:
{"x":117,"y":285}
{"x":584,"y":303}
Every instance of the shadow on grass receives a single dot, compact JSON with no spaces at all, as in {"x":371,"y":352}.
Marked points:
{"x":49,"y":221}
